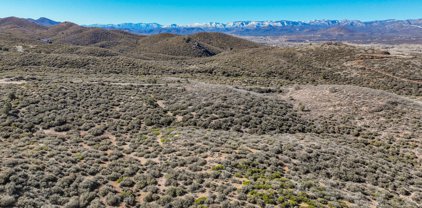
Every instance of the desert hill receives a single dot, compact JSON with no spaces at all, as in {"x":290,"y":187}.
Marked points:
{"x":177,"y":46}
{"x":223,"y":41}
{"x":69,"y":33}
{"x":199,"y":45}
{"x":17,"y":28}
{"x":14,"y":22}
{"x":322,"y":64}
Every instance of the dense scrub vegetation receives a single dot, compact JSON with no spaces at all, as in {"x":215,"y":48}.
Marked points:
{"x":104,"y":124}
{"x":122,"y":140}
{"x":264,"y":66}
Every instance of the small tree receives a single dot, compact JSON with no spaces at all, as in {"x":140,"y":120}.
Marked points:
{"x":301,"y":107}
{"x":7,"y":108}
{"x":11,"y":96}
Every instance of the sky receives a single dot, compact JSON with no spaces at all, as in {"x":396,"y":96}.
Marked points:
{"x":200,"y":11}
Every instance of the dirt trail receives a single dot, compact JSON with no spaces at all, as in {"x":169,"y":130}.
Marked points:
{"x":361,"y":64}
{"x":8,"y":81}
{"x":394,"y":76}
{"x":198,"y":85}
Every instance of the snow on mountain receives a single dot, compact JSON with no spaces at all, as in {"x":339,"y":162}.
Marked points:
{"x":259,"y":27}
{"x":132,"y":26}
{"x":229,"y":25}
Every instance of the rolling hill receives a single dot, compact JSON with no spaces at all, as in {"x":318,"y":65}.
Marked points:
{"x":17,"y":28}
{"x":199,"y":45}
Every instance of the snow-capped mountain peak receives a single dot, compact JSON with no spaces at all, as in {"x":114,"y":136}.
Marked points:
{"x":258,"y":27}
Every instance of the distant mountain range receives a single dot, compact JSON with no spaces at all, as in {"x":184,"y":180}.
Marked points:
{"x":383,"y":31}
{"x":263,"y":27}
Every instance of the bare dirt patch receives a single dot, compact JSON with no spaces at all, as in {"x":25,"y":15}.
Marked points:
{"x":8,"y":81}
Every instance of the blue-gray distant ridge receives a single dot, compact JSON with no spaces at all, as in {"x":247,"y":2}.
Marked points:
{"x":271,"y":28}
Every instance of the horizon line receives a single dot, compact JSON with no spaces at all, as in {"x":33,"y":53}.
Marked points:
{"x":304,"y":21}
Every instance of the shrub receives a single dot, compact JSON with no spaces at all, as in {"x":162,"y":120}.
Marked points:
{"x":7,"y":201}
{"x":149,"y":197}
{"x":126,"y":182}
{"x":7,"y":107}
{"x":201,"y":200}
{"x":113,"y":199}
{"x":73,"y":203}
{"x":218,"y":167}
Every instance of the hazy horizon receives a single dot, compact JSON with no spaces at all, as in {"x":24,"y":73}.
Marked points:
{"x":188,"y":12}
{"x":35,"y":18}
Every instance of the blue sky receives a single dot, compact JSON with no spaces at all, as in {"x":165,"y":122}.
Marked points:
{"x":192,"y":11}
